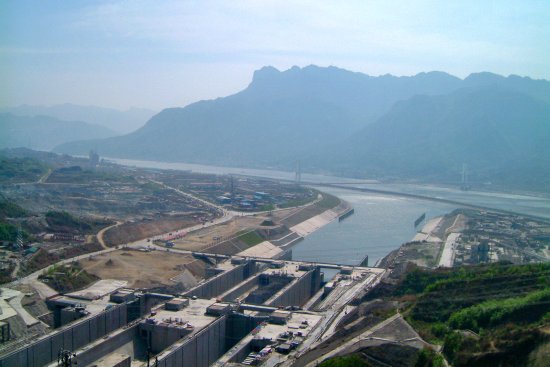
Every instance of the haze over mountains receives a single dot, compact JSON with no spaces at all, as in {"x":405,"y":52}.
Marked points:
{"x":332,"y":120}
{"x":280,"y":115}
{"x":45,"y":132}
{"x":503,"y":136}
{"x":121,"y":122}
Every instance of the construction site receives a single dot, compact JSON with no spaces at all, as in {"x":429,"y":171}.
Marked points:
{"x":472,"y":237}
{"x":200,"y":274}
{"x":246,"y":310}
{"x":197,"y":270}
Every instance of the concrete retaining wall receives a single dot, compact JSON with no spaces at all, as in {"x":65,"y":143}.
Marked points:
{"x":243,"y":288}
{"x":221,"y":283}
{"x":299,"y":291}
{"x":202,"y":350}
{"x":71,"y":337}
{"x":110,"y":345}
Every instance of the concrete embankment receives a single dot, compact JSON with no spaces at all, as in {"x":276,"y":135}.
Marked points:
{"x":316,"y":222}
{"x":312,"y":224}
{"x":427,"y":232}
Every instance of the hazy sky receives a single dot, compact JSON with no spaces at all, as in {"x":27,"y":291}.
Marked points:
{"x":159,"y":54}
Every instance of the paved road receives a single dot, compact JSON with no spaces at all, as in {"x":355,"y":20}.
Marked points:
{"x":45,"y":176}
{"x":448,"y":254}
{"x":45,"y":291}
{"x":331,"y":316}
{"x":102,"y":232}
{"x":15,"y":303}
{"x":353,"y":341}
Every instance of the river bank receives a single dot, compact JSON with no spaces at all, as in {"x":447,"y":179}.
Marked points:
{"x":384,"y":213}
{"x":537,"y":205}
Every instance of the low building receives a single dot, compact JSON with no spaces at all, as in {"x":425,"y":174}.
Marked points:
{"x":279,"y":317}
{"x":176,"y":304}
{"x":122,"y":296}
{"x":218,"y":309}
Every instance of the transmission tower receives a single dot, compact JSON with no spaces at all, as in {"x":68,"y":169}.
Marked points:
{"x":232,"y":188}
{"x":465,"y":186}
{"x":19,"y":239}
{"x":298,"y":172}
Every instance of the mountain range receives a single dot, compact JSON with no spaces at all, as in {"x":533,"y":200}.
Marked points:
{"x":121,"y":122}
{"x":423,"y":127}
{"x":501,"y":135}
{"x":279,"y":117}
{"x":45,"y":132}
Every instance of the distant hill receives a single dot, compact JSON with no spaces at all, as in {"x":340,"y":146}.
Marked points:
{"x":44,"y":132}
{"x":422,"y":127}
{"x":278,"y":118}
{"x":122,"y":122}
{"x":502,"y":135}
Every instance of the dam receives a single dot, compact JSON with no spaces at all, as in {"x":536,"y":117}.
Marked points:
{"x":244,"y":307}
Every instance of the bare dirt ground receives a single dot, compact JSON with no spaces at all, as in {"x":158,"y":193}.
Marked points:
{"x":143,"y":269}
{"x":206,"y":237}
{"x":129,"y":232}
{"x":424,"y":254}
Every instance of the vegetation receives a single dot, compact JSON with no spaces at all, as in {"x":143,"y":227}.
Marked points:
{"x":267,"y":208}
{"x":529,"y":308}
{"x":429,"y":358}
{"x":42,"y":258}
{"x":67,"y":278}
{"x":389,"y":355}
{"x":9,"y":209}
{"x":484,"y":313}
{"x":15,"y":170}
{"x":346,"y":361}
{"x":63,"y":221}
{"x":8,"y":232}
{"x":250,"y":238}
{"x":446,"y":291}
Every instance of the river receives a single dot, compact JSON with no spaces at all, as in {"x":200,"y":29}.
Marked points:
{"x":381,"y":223}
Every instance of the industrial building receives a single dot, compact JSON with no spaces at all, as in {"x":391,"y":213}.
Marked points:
{"x":248,"y":311}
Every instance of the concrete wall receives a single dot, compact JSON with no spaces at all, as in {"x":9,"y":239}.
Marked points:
{"x":117,"y":341}
{"x":222,"y":282}
{"x":150,"y":300}
{"x":159,"y":337}
{"x":71,"y":337}
{"x":201,"y":350}
{"x":299,"y":291}
{"x":243,"y":288}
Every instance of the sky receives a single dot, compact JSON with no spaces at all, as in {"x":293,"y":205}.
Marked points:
{"x":158,"y":54}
